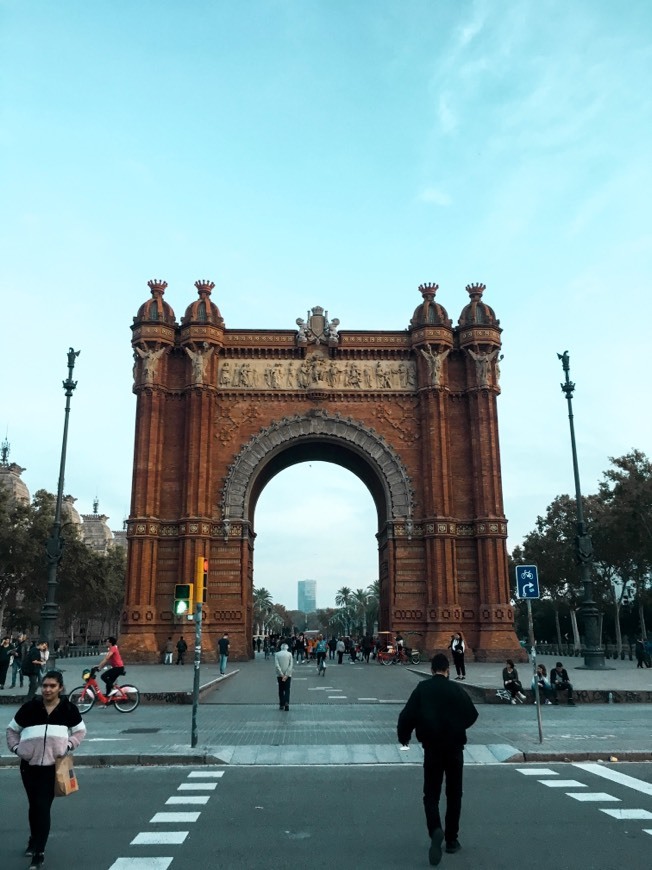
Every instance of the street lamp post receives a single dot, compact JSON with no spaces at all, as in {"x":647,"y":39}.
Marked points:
{"x":54,"y":545}
{"x":593,"y":652}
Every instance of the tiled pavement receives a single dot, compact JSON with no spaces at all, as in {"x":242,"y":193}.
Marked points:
{"x":240,"y":723}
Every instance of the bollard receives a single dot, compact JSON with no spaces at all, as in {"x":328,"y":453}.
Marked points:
{"x":610,"y":698}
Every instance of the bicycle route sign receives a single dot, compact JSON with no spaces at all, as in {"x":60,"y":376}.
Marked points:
{"x":527,"y":581}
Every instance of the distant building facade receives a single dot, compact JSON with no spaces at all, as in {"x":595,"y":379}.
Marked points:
{"x":307,"y":596}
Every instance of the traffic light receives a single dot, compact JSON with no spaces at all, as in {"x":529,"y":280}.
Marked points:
{"x":183,"y":599}
{"x":201,"y":579}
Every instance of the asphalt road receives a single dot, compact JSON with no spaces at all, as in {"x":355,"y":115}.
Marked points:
{"x":343,"y":817}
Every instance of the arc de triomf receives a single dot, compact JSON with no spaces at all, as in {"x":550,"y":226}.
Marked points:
{"x":411,"y":412}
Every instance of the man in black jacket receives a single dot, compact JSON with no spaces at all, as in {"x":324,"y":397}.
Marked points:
{"x":440,"y":712}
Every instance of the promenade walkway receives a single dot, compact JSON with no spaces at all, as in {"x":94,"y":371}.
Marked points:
{"x":347,"y":717}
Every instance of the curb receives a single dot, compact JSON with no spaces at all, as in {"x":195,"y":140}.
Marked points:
{"x":559,"y":757}
{"x":141,"y":759}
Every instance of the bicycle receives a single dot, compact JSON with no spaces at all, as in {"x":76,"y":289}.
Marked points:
{"x":124,"y":698}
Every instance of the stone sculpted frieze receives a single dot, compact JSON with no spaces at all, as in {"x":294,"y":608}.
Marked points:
{"x":317,"y":372}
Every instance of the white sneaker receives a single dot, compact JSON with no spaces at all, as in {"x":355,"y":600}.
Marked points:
{"x":513,"y":700}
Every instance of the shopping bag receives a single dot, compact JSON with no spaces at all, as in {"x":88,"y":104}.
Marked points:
{"x":65,"y":780}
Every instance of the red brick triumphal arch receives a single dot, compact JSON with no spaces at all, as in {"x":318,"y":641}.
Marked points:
{"x":411,"y":412}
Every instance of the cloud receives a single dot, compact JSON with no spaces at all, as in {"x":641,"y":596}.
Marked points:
{"x":447,"y":117}
{"x":474,"y":26}
{"x":435,"y":196}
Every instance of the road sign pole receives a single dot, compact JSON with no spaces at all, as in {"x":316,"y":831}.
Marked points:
{"x":533,"y":653}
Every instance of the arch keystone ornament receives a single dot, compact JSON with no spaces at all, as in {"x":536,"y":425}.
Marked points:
{"x":411,"y":412}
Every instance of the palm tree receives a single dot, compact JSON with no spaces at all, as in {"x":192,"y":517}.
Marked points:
{"x":262,"y":606}
{"x":373,"y":603}
{"x":359,"y":601}
{"x":343,"y":601}
{"x":343,"y":596}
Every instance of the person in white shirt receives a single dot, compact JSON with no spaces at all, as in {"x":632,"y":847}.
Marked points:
{"x":283,"y":661}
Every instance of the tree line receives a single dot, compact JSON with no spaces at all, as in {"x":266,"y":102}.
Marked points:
{"x":91,"y":585}
{"x":619,"y":521}
{"x":355,"y":613}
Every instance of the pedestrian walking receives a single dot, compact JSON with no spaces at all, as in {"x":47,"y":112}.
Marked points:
{"x":283,"y":661}
{"x":45,"y":728}
{"x":168,"y":651}
{"x":440,"y":713}
{"x":332,"y":643}
{"x":31,"y":667}
{"x":642,"y":656}
{"x":182,"y":646}
{"x":458,"y":648}
{"x":340,"y":649}
{"x":20,"y":648}
{"x":223,"y":646}
{"x":5,"y":659}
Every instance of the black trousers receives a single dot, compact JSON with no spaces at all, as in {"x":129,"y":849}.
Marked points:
{"x":437,"y":763}
{"x":39,"y":785}
{"x":284,"y":691}
{"x":111,"y":676}
{"x":458,"y":661}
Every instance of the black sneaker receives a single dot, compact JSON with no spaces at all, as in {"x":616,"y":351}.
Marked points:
{"x":38,"y":859}
{"x":29,"y":849}
{"x":434,"y":852}
{"x":453,"y":847}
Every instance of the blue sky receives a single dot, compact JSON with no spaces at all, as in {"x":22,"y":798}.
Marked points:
{"x":335,"y":154}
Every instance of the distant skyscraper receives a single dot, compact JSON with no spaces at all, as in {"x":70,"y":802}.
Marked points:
{"x":307,"y":595}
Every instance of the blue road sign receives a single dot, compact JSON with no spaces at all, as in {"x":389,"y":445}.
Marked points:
{"x":527,"y":581}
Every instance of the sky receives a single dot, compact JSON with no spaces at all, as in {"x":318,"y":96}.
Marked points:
{"x":334,"y":153}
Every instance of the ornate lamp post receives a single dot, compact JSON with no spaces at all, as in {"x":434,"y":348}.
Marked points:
{"x":593,"y":652}
{"x":54,"y":545}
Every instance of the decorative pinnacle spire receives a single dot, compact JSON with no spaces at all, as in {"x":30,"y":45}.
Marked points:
{"x":428,"y":290}
{"x":4,"y":453}
{"x":204,"y":286}
{"x":157,"y":286}
{"x":96,"y":504}
{"x":476,"y":290}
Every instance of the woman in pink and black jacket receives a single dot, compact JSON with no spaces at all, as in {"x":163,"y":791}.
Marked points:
{"x":45,"y":728}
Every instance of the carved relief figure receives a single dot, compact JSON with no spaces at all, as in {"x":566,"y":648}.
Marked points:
{"x":497,"y":367}
{"x":225,"y":374}
{"x":333,"y":336}
{"x":366,"y":375}
{"x":435,"y":362}
{"x":483,"y":366}
{"x":199,"y":358}
{"x":289,"y":376}
{"x":302,"y":337}
{"x":303,"y":375}
{"x":332,"y":375}
{"x":352,"y":375}
{"x":150,"y":360}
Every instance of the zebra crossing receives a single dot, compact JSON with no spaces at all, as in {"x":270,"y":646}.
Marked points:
{"x":581,"y":791}
{"x":168,"y":827}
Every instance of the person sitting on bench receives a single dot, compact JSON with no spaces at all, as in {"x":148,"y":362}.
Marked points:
{"x":561,"y":683}
{"x":546,"y":692}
